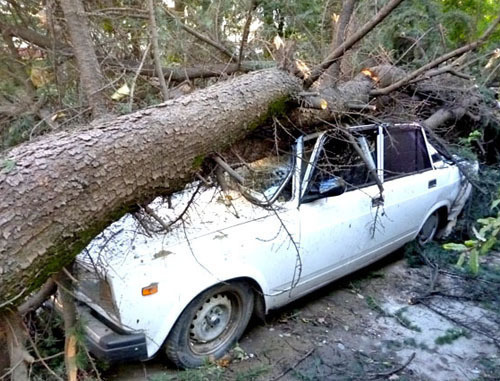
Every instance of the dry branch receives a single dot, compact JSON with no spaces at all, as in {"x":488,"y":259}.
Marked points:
{"x":340,"y":50}
{"x":36,"y":300}
{"x":445,"y":57}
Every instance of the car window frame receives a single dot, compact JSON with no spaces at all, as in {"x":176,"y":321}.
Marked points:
{"x":311,"y":165}
{"x":381,"y":150}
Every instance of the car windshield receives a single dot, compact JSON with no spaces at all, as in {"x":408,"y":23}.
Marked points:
{"x":267,"y":179}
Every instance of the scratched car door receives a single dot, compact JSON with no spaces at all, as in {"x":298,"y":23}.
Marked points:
{"x":336,"y":231}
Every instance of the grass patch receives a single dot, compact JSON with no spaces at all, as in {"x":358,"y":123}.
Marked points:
{"x":374,"y":305}
{"x":404,"y":321}
{"x":451,"y":335}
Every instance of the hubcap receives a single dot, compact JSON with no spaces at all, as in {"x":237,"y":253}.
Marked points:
{"x":211,"y":320}
{"x":429,"y":229}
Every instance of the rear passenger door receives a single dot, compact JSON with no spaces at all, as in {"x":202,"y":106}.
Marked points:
{"x":408,"y":179}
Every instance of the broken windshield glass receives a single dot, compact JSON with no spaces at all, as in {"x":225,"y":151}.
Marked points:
{"x":267,"y":179}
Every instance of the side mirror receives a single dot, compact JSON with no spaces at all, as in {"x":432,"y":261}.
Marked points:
{"x":326,"y":188}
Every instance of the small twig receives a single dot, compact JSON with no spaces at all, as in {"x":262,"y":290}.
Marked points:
{"x":229,"y":170}
{"x":13,"y":299}
{"x":49,"y":357}
{"x":138,"y":71}
{"x":203,"y":180}
{"x":200,"y":36}
{"x":397,"y":370}
{"x":158,"y":219}
{"x":92,"y":362}
{"x":70,"y":276}
{"x":297,"y":363}
{"x":11,"y":369}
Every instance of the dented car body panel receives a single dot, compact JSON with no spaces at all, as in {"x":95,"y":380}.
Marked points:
{"x":310,"y":227}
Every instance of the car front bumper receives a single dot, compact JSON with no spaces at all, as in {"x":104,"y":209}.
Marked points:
{"x":106,"y":343}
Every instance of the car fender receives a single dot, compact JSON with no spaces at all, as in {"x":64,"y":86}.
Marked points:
{"x":204,"y":280}
{"x":440,"y":204}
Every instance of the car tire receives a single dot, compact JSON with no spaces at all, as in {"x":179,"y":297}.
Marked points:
{"x":210,"y":325}
{"x":429,"y":229}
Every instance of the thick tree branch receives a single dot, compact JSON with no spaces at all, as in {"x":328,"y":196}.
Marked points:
{"x":36,"y":300}
{"x":207,"y":71}
{"x":34,"y":38}
{"x":340,"y":50}
{"x":438,"y":61}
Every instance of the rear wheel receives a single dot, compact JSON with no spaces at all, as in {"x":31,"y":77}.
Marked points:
{"x":429,"y":229}
{"x":210,"y":325}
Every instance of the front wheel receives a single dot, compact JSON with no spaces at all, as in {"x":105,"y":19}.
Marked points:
{"x":210,"y":325}
{"x":429,"y":229}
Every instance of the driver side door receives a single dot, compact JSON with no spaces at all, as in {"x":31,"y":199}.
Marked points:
{"x":338,"y":232}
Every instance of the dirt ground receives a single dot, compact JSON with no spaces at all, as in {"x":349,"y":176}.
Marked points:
{"x":363,"y":327}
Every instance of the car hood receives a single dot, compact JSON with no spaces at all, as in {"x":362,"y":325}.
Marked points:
{"x":192,"y":213}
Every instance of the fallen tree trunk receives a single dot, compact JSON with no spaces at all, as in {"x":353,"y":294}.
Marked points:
{"x":61,"y":191}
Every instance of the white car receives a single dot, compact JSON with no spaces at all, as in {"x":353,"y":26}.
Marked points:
{"x":286,"y":225}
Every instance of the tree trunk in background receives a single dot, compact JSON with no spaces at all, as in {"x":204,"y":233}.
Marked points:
{"x":91,"y":78}
{"x":331,"y":75}
{"x":61,"y":191}
{"x":156,"y":49}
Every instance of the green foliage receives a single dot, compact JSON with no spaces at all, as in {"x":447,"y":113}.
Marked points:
{"x":374,"y":305}
{"x":18,"y":131}
{"x":486,"y":239}
{"x":7,"y":165}
{"x":417,"y":255}
{"x":404,"y":321}
{"x":451,"y":335}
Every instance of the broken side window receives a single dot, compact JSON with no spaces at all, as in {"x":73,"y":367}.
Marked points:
{"x":405,"y":152}
{"x":339,"y":163}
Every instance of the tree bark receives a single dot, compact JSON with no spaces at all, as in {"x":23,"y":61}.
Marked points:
{"x":91,"y":78}
{"x":57,"y":193}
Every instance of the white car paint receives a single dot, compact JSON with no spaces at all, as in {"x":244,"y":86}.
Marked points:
{"x":287,"y":251}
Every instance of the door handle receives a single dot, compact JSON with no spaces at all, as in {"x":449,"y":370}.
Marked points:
{"x":432,"y":183}
{"x":377,"y":201}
